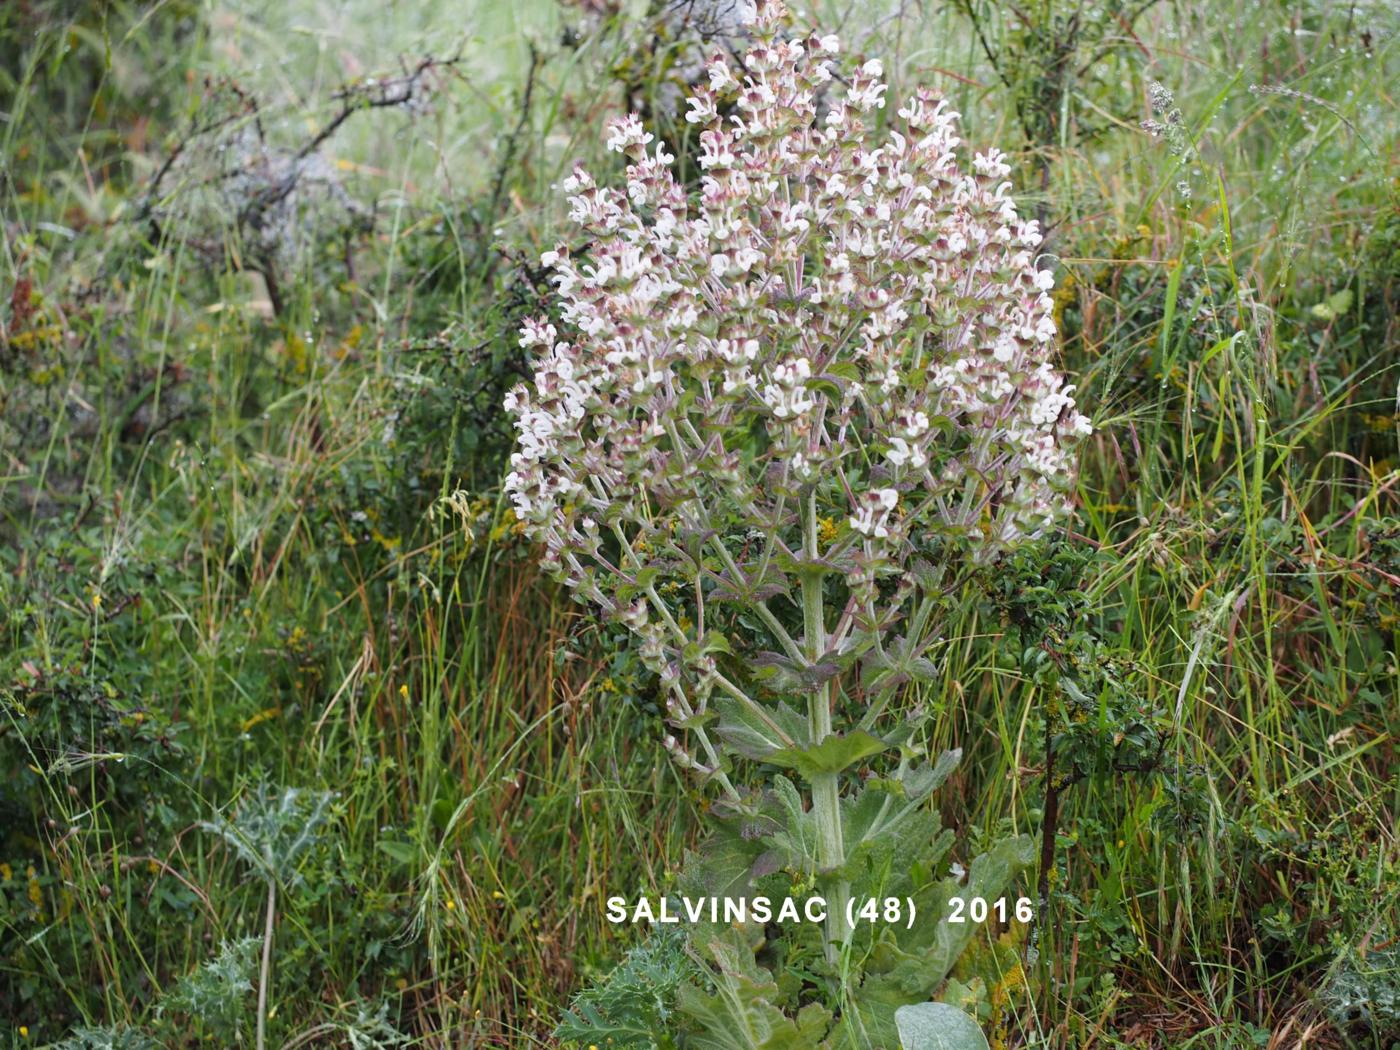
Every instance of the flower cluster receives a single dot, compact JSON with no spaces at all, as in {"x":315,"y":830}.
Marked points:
{"x":832,"y":330}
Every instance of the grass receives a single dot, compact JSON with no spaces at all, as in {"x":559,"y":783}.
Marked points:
{"x":229,"y":562}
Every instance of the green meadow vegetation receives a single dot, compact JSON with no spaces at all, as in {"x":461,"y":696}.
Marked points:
{"x":298,"y":746}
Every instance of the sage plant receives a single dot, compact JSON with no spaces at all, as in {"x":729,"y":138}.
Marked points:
{"x":780,"y":412}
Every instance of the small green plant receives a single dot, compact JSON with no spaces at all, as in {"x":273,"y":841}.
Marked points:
{"x":271,"y":831}
{"x":116,"y":1037}
{"x":635,"y":1005}
{"x":1046,"y":53}
{"x":215,"y":995}
{"x":1363,"y":996}
{"x":369,"y":1029}
{"x":1098,"y":723}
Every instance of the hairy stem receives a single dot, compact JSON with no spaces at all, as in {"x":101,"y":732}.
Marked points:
{"x":826,"y":789}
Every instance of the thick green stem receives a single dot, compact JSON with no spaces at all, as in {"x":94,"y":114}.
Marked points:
{"x":826,"y":796}
{"x":826,"y":789}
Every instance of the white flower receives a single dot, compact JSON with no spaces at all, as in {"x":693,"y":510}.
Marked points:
{"x":721,"y":76}
{"x":901,"y":452}
{"x":991,"y":164}
{"x":626,"y":132}
{"x":715,"y":151}
{"x":745,"y":259}
{"x":873,"y":511}
{"x":787,"y":394}
{"x":578,"y":181}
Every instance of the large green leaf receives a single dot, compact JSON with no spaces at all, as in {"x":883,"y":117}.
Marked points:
{"x":910,"y":965}
{"x":886,"y":803}
{"x":833,"y":755}
{"x":924,"y":780}
{"x":937,"y":1026}
{"x":741,"y":1014}
{"x":757,"y":731}
{"x":723,"y":865}
{"x":796,"y":841}
{"x":911,"y":840}
{"x":782,"y":674}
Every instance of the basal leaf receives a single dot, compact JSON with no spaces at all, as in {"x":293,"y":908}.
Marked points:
{"x":937,"y":1026}
{"x":741,"y":1014}
{"x":907,"y":966}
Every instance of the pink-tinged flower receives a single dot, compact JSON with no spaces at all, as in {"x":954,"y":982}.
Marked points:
{"x":627,"y":132}
{"x":836,"y":325}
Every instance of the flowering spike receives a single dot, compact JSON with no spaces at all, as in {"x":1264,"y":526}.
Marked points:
{"x":833,"y":323}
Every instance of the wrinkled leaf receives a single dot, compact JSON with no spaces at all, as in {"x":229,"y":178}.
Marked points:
{"x":910,"y":965}
{"x":833,"y":755}
{"x":924,"y":780}
{"x":741,"y":1015}
{"x":937,"y":1026}
{"x":758,"y":733}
